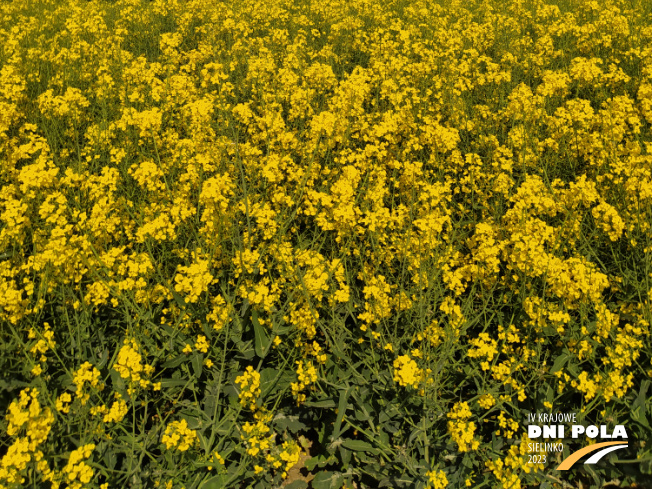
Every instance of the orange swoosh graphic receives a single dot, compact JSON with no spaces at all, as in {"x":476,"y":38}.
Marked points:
{"x":571,"y":459}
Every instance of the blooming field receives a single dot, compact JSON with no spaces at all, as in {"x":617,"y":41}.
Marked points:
{"x":322,"y":244}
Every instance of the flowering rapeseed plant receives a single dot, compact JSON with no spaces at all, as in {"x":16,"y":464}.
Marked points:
{"x":243,"y":243}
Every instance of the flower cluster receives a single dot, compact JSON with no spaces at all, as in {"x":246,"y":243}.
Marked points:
{"x":407,"y":372}
{"x":87,"y":374}
{"x":177,"y":435}
{"x":131,"y":367}
{"x":77,"y":472}
{"x":249,"y":383}
{"x":306,"y":375}
{"x":462,"y":431}
{"x":28,"y":426}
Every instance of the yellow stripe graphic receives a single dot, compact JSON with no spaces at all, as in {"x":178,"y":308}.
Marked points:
{"x":571,"y":459}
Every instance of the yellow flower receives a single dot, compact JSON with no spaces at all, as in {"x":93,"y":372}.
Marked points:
{"x":194,"y":279}
{"x":201,"y":344}
{"x":129,"y":364}
{"x":118,"y":411}
{"x":461,"y":430}
{"x":249,"y":383}
{"x":306,"y":375}
{"x":218,"y":458}
{"x":487,"y":401}
{"x":63,"y":402}
{"x":77,"y":471}
{"x":407,"y":372}
{"x":437,"y":479}
{"x":86,"y":374}
{"x":484,"y":347}
{"x":178,"y":435}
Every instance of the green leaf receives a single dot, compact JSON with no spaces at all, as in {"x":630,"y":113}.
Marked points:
{"x":359,"y":446}
{"x":231,"y":391}
{"x":319,"y":461}
{"x":638,"y":415}
{"x":175,"y":362}
{"x":180,"y":300}
{"x":338,"y":348}
{"x":362,"y":415}
{"x":217,"y":482}
{"x":298,"y":484}
{"x":291,"y":423}
{"x":573,"y":370}
{"x":110,"y":459}
{"x":167,"y":329}
{"x":345,"y":455}
{"x":467,"y":462}
{"x":104,"y":358}
{"x":246,"y":349}
{"x":328,"y":480}
{"x":117,"y":382}
{"x":646,"y":466}
{"x":166,"y":383}
{"x":261,"y":338}
{"x":403,"y":481}
{"x":324,"y":404}
{"x":194,"y":422}
{"x":197,"y":363}
{"x":203,"y":442}
{"x":274,"y":381}
{"x":236,"y":331}
{"x":127,"y":439}
{"x":560,"y":361}
{"x":245,"y":308}
{"x":280,"y":330}
{"x":341,"y":409}
{"x":210,"y":395}
{"x":497,"y":443}
{"x":642,"y":395}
